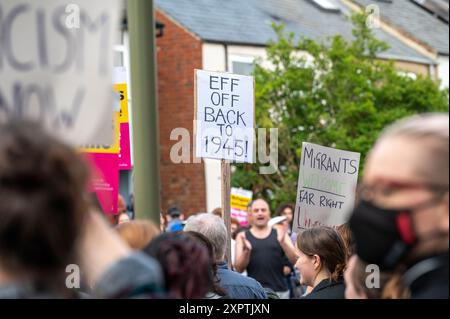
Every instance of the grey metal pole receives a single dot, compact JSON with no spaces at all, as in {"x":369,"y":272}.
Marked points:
{"x":141,"y":27}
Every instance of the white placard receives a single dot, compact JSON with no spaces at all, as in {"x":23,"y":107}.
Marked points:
{"x":326,"y":186}
{"x":56,"y":61}
{"x":225,"y":106}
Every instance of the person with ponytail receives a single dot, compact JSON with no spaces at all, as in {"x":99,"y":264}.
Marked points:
{"x":322,"y":262}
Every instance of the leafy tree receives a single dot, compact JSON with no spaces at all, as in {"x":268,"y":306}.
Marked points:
{"x":338,"y":95}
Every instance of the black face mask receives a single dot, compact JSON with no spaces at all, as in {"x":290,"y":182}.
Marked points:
{"x":383,"y":237}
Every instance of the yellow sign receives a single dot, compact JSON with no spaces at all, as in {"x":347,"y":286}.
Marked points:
{"x":120,"y":115}
{"x":239,"y":202}
{"x":240,"y":198}
{"x":123,"y":113}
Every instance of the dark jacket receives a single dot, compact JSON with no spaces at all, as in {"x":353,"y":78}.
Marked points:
{"x":238,"y":286}
{"x":327,"y":289}
{"x":428,"y":278}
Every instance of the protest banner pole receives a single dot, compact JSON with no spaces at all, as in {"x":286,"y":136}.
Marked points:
{"x":141,"y":23}
{"x":224,"y":112}
{"x":226,"y":195}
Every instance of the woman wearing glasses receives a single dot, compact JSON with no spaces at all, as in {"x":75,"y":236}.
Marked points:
{"x":401,"y":222}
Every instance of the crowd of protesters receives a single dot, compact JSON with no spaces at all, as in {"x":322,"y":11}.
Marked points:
{"x":399,"y":229}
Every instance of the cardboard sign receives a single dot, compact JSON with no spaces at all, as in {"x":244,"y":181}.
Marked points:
{"x":56,"y":61}
{"x":239,"y":201}
{"x":326,"y":186}
{"x":224,"y":116}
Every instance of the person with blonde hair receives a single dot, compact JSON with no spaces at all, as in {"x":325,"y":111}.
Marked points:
{"x":137,"y":233}
{"x":401,"y":222}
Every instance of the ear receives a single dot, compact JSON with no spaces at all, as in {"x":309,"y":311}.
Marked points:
{"x":317,"y":262}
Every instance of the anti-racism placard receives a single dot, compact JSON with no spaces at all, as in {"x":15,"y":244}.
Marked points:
{"x":224,"y":117}
{"x":239,"y":201}
{"x":56,"y":61}
{"x":326,"y":186}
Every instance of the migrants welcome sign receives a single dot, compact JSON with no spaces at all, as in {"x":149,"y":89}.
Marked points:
{"x":225,"y":106}
{"x":56,"y":61}
{"x":326,"y":186}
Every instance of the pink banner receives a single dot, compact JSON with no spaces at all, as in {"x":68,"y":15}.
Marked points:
{"x":124,"y":155}
{"x":240,"y":215}
{"x":105,"y":179}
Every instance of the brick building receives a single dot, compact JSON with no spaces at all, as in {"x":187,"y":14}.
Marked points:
{"x":179,"y":52}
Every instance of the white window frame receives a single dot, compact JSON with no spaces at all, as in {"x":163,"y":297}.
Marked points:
{"x":239,"y":58}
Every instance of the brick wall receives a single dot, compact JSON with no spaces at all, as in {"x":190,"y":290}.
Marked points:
{"x":178,"y":54}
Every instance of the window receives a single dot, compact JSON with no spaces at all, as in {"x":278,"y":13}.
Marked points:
{"x":243,"y":65}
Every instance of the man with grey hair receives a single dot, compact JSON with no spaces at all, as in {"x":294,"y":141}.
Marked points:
{"x":236,"y":285}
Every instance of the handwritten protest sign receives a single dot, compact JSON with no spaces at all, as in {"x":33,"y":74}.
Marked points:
{"x":56,"y":64}
{"x":326,"y":186}
{"x":224,"y":116}
{"x":239,"y":201}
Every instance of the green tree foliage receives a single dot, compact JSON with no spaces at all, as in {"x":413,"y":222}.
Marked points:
{"x":338,"y":95}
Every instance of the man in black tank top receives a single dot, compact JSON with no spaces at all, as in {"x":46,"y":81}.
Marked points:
{"x":264,"y":251}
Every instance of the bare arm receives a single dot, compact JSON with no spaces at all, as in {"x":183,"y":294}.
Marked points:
{"x":100,"y":248}
{"x":243,"y":251}
{"x":286,"y":243}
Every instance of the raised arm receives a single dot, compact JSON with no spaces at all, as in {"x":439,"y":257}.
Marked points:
{"x":243,"y":251}
{"x":286,"y":243}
